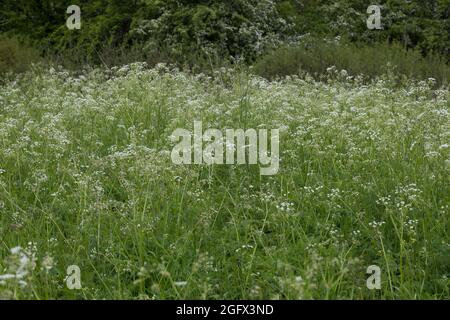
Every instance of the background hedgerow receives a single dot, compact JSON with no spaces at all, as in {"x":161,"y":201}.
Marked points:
{"x":199,"y":32}
{"x":86,"y":179}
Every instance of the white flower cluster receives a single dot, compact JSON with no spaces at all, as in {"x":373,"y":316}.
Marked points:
{"x":21,"y":264}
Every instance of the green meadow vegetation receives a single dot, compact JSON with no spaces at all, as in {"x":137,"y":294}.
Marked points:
{"x":87,"y":179}
{"x":317,"y":57}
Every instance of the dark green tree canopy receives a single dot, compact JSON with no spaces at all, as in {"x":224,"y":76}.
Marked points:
{"x":222,"y":27}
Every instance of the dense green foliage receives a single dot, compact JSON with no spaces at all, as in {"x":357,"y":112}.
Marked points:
{"x":416,"y":24}
{"x":187,"y":29}
{"x":222,"y":28}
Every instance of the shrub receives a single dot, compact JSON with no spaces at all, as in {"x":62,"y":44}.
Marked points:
{"x":16,"y":56}
{"x":315,"y":57}
{"x":238,"y":28}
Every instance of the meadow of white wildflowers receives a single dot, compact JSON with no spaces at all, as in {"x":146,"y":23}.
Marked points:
{"x":86,"y":179}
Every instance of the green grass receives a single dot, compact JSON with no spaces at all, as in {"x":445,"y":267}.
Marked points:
{"x":316,"y":57}
{"x":86,"y":179}
{"x":15,"y":56}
